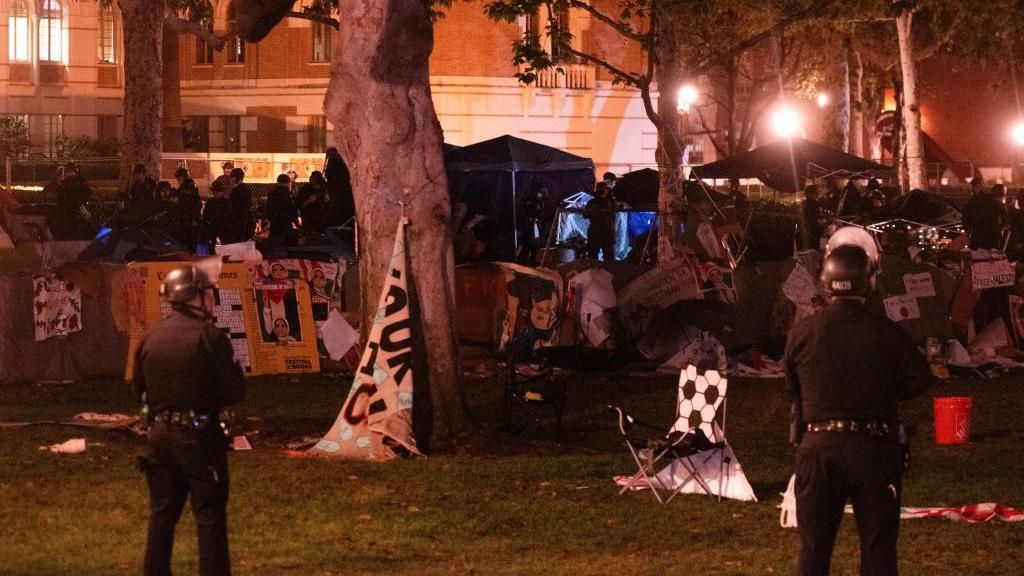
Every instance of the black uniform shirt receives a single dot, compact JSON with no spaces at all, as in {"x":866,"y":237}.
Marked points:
{"x":186,"y":363}
{"x":848,"y":363}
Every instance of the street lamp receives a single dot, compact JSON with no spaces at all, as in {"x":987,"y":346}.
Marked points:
{"x":785,"y":122}
{"x":1017,"y":133}
{"x":687,"y":97}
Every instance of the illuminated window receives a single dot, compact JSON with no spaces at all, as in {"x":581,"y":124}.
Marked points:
{"x":53,"y":129}
{"x":316,"y":134}
{"x":321,"y":42}
{"x":204,"y":50}
{"x":51,"y":31}
{"x":235,"y":45}
{"x":106,"y":46}
{"x":17,"y":32}
{"x":232,"y":134}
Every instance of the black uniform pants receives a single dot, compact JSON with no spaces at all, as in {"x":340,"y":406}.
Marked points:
{"x":832,"y":467}
{"x":181,"y":461}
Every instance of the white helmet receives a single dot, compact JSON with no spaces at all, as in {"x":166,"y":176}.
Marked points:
{"x":854,"y":236}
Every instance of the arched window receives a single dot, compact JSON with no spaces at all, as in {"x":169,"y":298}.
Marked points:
{"x":18,"y":32}
{"x":51,"y":31}
{"x":235,"y":45}
{"x":107,"y":45}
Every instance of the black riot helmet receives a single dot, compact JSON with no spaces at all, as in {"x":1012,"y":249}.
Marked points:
{"x":183,"y":284}
{"x":848,"y":271}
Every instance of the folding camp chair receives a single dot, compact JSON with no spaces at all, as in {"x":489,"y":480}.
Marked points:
{"x":530,"y":387}
{"x":694,"y":439}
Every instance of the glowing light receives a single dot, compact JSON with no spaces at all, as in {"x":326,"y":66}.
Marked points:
{"x":786,"y":122}
{"x":822,"y":99}
{"x":687,"y":97}
{"x":1017,"y":133}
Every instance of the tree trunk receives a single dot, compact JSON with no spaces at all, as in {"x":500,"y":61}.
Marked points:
{"x":143,"y":92}
{"x":916,"y":177}
{"x":173,"y":140}
{"x":843,"y":98}
{"x":669,"y":152}
{"x":857,"y":104}
{"x":391,"y":139}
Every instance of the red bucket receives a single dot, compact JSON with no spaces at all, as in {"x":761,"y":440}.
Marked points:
{"x":952,"y":420}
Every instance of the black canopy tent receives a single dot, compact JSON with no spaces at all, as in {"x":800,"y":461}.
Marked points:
{"x":490,"y":176}
{"x":638,"y":188}
{"x":785,"y":164}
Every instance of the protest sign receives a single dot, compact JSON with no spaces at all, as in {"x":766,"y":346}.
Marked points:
{"x":903,"y":307}
{"x":656,"y":290}
{"x":992,"y":274}
{"x":375,"y":423}
{"x":57,"y":307}
{"x":919,"y":285}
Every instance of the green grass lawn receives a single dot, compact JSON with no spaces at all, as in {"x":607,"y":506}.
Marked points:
{"x":499,"y":505}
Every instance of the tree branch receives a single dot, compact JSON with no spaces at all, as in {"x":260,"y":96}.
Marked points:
{"x":182,"y":26}
{"x":313,"y":17}
{"x":756,"y":39}
{"x":621,"y":27}
{"x":627,"y":77}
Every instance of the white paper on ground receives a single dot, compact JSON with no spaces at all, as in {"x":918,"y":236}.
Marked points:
{"x":72,"y":446}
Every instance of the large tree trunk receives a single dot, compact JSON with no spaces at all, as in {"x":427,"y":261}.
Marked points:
{"x":916,"y":177}
{"x":857,"y":104}
{"x":143,"y":92}
{"x":391,"y":139}
{"x":669,"y":152}
{"x":173,"y":140}
{"x":837,"y":129}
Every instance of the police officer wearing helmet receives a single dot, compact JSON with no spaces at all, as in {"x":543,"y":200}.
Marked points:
{"x":185,"y":373}
{"x":847,"y":368}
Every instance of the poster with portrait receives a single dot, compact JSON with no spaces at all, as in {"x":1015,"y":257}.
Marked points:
{"x":322,"y":278}
{"x":282,"y":333}
{"x":532,"y":307}
{"x":716,"y":282}
{"x":57,"y":307}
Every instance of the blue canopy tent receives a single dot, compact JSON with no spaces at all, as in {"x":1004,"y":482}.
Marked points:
{"x":490,"y":177}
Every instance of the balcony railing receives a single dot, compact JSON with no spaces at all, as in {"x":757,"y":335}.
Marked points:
{"x":570,"y":76}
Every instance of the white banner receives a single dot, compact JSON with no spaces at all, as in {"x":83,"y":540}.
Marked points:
{"x":57,"y":307}
{"x":375,"y":422}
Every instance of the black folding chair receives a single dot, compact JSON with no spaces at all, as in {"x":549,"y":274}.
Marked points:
{"x":530,"y":388}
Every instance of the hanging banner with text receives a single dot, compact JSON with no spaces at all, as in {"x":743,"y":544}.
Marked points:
{"x":992,"y":274}
{"x":375,"y":422}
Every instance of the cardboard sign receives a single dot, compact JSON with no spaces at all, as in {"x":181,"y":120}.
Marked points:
{"x":376,"y":420}
{"x":919,"y":285}
{"x":248,"y":322}
{"x":656,"y":290}
{"x":903,"y":307}
{"x":992,"y":274}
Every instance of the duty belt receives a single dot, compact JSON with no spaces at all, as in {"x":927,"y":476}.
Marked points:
{"x":873,"y":428}
{"x":188,"y":418}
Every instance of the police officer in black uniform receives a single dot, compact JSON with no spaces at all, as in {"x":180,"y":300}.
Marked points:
{"x":848,"y":367}
{"x":185,"y":374}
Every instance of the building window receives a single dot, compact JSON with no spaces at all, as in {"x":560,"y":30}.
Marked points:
{"x":106,"y":128}
{"x":197,"y":134}
{"x":204,"y":50}
{"x":235,"y":45}
{"x":695,"y":149}
{"x":232,"y":133}
{"x":316,"y":134}
{"x":51,"y":31}
{"x":105,"y":47}
{"x":321,"y":42}
{"x":17,"y":32}
{"x":53,"y":129}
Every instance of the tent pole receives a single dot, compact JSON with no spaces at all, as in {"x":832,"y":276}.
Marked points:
{"x":515,"y":220}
